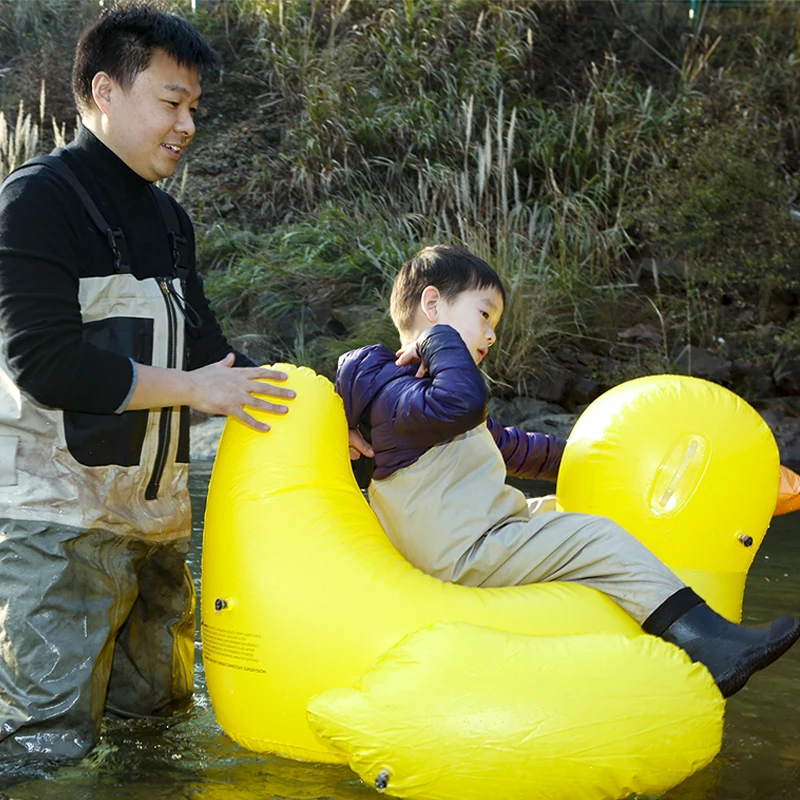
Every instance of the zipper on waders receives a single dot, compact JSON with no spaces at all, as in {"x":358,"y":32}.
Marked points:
{"x":165,"y":419}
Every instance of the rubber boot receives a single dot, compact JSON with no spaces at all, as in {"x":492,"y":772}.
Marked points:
{"x":731,"y":652}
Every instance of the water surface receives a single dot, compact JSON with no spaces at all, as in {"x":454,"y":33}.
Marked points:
{"x":190,"y":757}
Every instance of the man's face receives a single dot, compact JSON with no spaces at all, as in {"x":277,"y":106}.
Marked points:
{"x":149,"y":125}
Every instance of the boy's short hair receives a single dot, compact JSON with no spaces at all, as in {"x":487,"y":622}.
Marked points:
{"x":452,"y":270}
{"x":121,"y":42}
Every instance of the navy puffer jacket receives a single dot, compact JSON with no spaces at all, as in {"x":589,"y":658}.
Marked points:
{"x":404,"y":416}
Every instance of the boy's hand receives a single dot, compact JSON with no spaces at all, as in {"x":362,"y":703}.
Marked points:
{"x":409,"y":354}
{"x":359,"y":446}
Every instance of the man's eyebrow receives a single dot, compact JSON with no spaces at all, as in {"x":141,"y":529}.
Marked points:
{"x":177,"y":87}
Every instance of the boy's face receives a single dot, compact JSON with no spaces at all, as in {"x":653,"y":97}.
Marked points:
{"x":150,"y":124}
{"x":475,"y":314}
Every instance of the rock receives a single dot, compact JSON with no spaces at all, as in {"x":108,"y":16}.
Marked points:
{"x":254,"y":346}
{"x":552,"y":386}
{"x":531,"y":414}
{"x":703,"y":364}
{"x":782,"y":306}
{"x":641,"y":333}
{"x":319,"y":318}
{"x":204,"y":439}
{"x":352,"y":317}
{"x":751,"y":381}
{"x":553,"y":424}
{"x":583,"y":391}
{"x":501,"y":410}
{"x":658,"y":272}
{"x":786,"y":370}
{"x":511,"y":412}
{"x":783,"y":417}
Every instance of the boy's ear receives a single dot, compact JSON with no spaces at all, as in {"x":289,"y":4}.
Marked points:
{"x":429,"y":303}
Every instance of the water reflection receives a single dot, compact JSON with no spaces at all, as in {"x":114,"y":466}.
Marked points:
{"x":189,"y":757}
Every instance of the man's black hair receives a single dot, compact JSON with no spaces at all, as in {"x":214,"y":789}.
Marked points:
{"x":121,"y":42}
{"x":450,"y":269}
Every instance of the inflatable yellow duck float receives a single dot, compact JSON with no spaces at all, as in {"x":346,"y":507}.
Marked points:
{"x":322,"y":643}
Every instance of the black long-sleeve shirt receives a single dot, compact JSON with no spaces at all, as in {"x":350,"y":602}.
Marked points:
{"x":48,"y":242}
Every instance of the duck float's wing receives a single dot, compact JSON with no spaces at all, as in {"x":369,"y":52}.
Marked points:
{"x":461,"y":712}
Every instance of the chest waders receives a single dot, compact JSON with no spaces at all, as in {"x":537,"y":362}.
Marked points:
{"x":466,"y":525}
{"x":95,"y":520}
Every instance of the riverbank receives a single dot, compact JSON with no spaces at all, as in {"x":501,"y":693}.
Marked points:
{"x":537,"y":415}
{"x":633,"y":174}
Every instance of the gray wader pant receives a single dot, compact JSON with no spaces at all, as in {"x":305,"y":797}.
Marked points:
{"x":91,"y":621}
{"x":96,"y":603}
{"x":452,"y":515}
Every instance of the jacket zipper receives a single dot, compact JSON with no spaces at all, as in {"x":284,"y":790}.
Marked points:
{"x":165,"y":419}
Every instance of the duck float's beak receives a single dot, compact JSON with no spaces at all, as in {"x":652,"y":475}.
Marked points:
{"x":788,"y":492}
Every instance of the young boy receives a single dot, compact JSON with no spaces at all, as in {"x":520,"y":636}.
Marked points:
{"x":439,"y":485}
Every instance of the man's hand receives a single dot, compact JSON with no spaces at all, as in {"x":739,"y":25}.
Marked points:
{"x":217,"y":388}
{"x":222,"y":388}
{"x":359,"y":446}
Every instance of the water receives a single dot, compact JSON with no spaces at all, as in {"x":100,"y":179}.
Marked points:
{"x":190,"y":757}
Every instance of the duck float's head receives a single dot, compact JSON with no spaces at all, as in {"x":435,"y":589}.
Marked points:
{"x":315,"y":452}
{"x":657,"y":454}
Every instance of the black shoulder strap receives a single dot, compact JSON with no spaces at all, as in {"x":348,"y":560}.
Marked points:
{"x":114,"y":236}
{"x":179,"y":245}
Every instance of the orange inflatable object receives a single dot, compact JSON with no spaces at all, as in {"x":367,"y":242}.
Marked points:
{"x":788,"y":492}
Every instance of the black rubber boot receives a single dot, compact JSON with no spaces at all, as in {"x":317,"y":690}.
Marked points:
{"x":731,"y":652}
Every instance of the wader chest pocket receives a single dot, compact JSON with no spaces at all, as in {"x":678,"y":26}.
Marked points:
{"x":98,"y":440}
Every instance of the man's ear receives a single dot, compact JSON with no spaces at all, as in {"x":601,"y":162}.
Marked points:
{"x":103,"y":86}
{"x":429,"y":303}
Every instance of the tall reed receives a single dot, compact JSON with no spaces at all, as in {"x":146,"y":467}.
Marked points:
{"x":19,"y":142}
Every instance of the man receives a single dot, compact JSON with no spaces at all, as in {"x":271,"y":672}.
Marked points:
{"x":107,"y":338}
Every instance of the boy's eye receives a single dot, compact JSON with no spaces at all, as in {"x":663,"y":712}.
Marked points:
{"x":485,"y":314}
